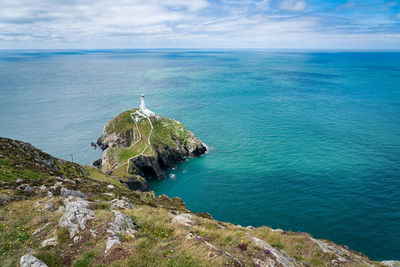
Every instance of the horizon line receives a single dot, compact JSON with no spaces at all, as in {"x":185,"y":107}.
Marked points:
{"x":210,"y":49}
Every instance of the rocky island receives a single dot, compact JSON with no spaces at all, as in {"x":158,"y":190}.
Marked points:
{"x":138,"y":147}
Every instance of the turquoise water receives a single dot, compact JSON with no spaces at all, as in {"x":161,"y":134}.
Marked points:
{"x":298,"y":140}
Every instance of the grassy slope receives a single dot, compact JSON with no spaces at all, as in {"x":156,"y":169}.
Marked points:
{"x":20,"y":160}
{"x":159,"y":242}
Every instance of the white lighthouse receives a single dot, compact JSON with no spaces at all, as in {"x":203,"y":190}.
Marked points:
{"x":144,"y":110}
{"x":142,"y":104}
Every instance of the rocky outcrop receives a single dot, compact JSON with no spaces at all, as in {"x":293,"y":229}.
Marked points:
{"x":136,"y":183}
{"x":75,"y":217}
{"x":97,"y":162}
{"x":122,"y":226}
{"x":30,"y":261}
{"x":71,"y":193}
{"x":121,"y":204}
{"x":277,"y":258}
{"x":391,"y":263}
{"x":147,"y":166}
{"x":184,"y":219}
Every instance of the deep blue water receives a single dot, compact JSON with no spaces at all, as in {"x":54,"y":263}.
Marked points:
{"x":298,"y":140}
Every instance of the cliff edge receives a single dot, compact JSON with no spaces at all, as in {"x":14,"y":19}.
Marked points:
{"x":140,"y":145}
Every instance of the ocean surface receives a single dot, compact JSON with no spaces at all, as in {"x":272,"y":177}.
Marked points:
{"x":302,"y":141}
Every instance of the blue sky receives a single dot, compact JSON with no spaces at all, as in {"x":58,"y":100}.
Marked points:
{"x":279,"y":24}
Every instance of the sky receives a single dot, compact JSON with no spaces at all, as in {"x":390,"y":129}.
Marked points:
{"x":262,"y":24}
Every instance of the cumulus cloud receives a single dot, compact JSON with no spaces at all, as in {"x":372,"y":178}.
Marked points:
{"x":292,"y":5}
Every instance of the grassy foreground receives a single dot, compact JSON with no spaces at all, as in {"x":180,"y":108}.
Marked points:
{"x":166,"y":232}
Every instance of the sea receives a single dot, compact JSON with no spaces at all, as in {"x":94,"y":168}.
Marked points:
{"x":304,"y":141}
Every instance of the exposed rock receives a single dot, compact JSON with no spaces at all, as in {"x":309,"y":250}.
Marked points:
{"x":30,"y":261}
{"x":111,"y":241}
{"x":55,"y":190}
{"x":5,"y":199}
{"x":110,"y":186}
{"x":147,"y":166}
{"x":18,"y":181}
{"x":391,"y":263}
{"x":49,"y":207}
{"x":214,"y":248}
{"x":38,"y":230}
{"x":61,"y":209}
{"x":71,"y":193}
{"x":194,"y":146}
{"x":342,"y":254}
{"x":75,"y":217}
{"x":109,"y":194}
{"x":121,"y":204}
{"x":280,"y":257}
{"x":97,"y":162}
{"x":185,"y":219}
{"x":137,"y":183}
{"x":63,"y":179}
{"x":122,"y":225}
{"x":93,"y":233}
{"x":49,"y":242}
{"x":92,"y":144}
{"x":24,"y":187}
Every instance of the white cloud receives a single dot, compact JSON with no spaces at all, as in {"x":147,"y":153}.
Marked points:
{"x":174,"y":23}
{"x":292,"y":5}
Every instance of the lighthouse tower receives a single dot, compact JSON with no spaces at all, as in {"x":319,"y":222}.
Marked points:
{"x":142,"y":104}
{"x":144,"y":110}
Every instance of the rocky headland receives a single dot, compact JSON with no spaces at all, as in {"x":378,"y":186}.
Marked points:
{"x":140,"y":150}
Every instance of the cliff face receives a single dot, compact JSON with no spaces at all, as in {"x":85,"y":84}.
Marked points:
{"x":86,"y":218}
{"x":148,"y":147}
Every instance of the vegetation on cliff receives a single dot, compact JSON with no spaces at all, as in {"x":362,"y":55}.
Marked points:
{"x":79,"y":216}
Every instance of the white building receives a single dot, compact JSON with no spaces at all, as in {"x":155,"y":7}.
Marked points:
{"x":144,"y":110}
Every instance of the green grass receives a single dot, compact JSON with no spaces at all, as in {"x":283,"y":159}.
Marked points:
{"x":103,"y":206}
{"x":10,"y":173}
{"x":63,"y":236}
{"x":122,"y":123}
{"x":85,"y":260}
{"x":51,"y":259}
{"x":278,"y":245}
{"x":125,"y":154}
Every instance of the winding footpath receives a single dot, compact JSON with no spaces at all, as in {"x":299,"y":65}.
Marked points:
{"x":139,"y":114}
